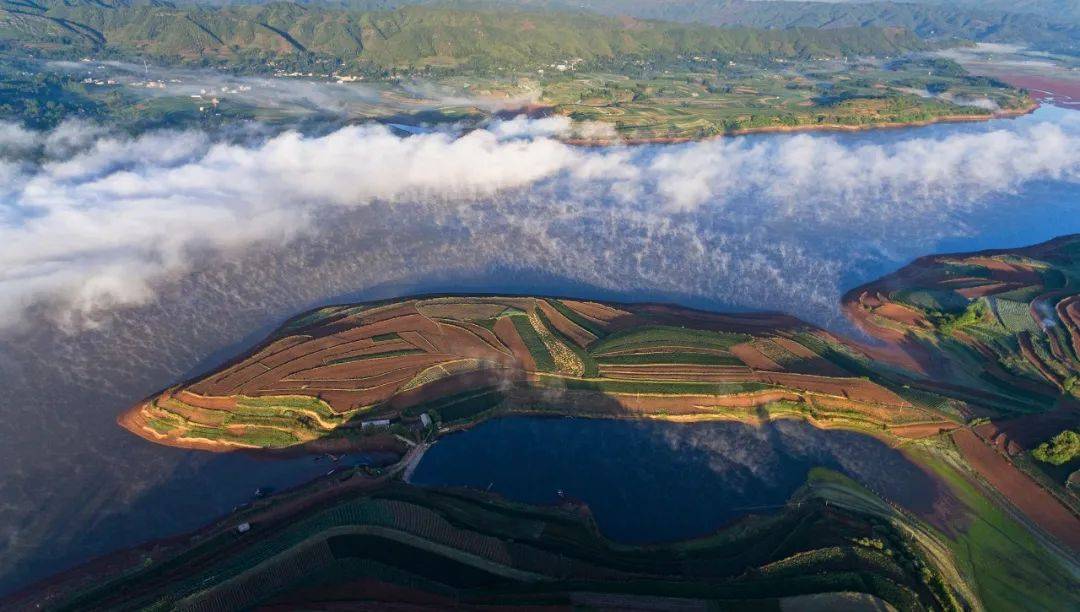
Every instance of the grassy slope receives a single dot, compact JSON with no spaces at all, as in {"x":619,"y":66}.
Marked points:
{"x":1007,"y":567}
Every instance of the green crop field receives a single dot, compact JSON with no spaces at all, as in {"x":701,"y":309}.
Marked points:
{"x":665,"y":336}
{"x":1008,"y":568}
{"x":537,"y":349}
{"x":657,"y":388}
{"x":670,"y":358}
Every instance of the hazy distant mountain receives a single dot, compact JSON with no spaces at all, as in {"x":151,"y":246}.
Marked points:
{"x":1058,"y":10}
{"x":194,"y":27}
{"x":934,"y":18}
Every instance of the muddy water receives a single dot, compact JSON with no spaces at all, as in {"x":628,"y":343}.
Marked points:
{"x":657,"y":481}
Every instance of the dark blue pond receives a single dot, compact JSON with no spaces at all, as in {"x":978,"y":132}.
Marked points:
{"x":655,"y":481}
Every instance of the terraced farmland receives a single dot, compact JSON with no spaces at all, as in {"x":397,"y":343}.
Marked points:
{"x":1003,"y":321}
{"x":342,"y":376}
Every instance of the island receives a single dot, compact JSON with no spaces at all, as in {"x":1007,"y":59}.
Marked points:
{"x":356,"y":376}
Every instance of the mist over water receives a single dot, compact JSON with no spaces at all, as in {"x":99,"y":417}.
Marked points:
{"x":127,"y":263}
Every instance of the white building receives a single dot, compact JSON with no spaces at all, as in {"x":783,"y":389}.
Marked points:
{"x":375,"y":424}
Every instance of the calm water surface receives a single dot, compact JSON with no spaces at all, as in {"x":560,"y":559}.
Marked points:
{"x":656,"y":481}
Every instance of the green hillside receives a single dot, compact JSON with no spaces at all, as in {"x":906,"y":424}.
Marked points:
{"x":408,"y":38}
{"x":1052,"y":25}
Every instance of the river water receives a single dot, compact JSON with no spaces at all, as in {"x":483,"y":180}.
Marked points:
{"x":73,"y":485}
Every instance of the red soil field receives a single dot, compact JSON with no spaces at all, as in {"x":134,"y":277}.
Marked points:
{"x":565,"y":326}
{"x":754,"y":358}
{"x":1068,"y":310}
{"x":508,"y":335}
{"x":855,"y":389}
{"x":1028,"y":431}
{"x":902,"y":314}
{"x":1042,"y":87}
{"x":1024,"y":493}
{"x":979,"y":291}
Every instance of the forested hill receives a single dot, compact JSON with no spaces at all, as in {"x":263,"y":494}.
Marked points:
{"x":1058,"y":31}
{"x":1052,"y":25}
{"x":978,"y":15}
{"x":408,"y":38}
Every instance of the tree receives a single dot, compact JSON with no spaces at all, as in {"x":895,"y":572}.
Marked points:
{"x":1060,"y":450}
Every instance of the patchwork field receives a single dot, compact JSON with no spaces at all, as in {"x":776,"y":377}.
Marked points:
{"x":1004,"y":322}
{"x":348,"y":376}
{"x":1005,"y":325}
{"x":705,"y":100}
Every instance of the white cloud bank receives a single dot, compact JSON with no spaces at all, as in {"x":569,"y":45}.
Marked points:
{"x":90,"y":221}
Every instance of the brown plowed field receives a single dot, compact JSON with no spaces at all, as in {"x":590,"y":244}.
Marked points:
{"x":598,"y":313}
{"x":1029,"y":431}
{"x":508,"y":335}
{"x":972,"y":293}
{"x":1024,"y":493}
{"x":1068,"y":310}
{"x":593,"y":403}
{"x":202,"y":401}
{"x":811,"y":362}
{"x":720,"y":377}
{"x":922,"y":430}
{"x":751,"y":356}
{"x":1007,"y":272}
{"x":749,"y":323}
{"x":566,"y":327}
{"x":855,"y":389}
{"x":901,"y":314}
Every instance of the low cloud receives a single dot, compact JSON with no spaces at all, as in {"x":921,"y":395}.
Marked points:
{"x":816,"y":175}
{"x":90,"y":221}
{"x":322,"y":94}
{"x":977,"y":102}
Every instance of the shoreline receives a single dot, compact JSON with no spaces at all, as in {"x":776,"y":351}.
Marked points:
{"x":888,"y":433}
{"x":878,"y":430}
{"x":830,"y":127}
{"x":131,"y":420}
{"x":740,"y":407}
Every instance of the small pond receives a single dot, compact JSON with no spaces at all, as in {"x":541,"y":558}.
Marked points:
{"x":658,"y":481}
